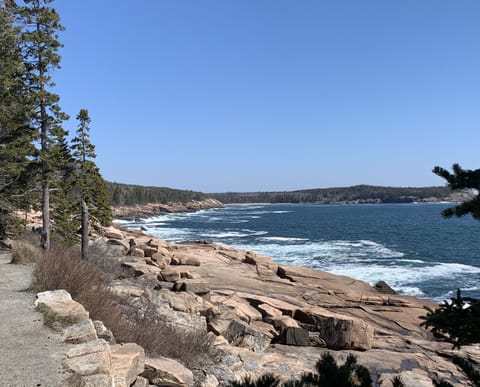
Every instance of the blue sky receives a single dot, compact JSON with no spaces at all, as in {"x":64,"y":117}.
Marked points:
{"x":258,"y":95}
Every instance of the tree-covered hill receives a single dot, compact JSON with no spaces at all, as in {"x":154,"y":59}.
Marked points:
{"x":354,"y":194}
{"x":129,"y":195}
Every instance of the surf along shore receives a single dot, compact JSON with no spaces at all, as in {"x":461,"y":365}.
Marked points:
{"x":268,"y":317}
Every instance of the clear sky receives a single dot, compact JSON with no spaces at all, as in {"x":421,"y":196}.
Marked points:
{"x":258,"y":95}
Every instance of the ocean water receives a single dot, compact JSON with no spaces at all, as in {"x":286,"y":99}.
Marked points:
{"x":410,"y":246}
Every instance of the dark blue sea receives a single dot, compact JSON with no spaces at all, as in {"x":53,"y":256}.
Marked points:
{"x":410,"y":246}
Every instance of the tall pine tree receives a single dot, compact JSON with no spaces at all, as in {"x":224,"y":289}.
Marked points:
{"x":40,"y":26}
{"x":93,"y":197}
{"x":16,"y":136}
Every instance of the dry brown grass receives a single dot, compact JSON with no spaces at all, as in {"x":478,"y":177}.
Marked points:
{"x":63,"y":269}
{"x":24,"y":252}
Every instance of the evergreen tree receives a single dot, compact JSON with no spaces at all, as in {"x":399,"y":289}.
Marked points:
{"x":16,"y":136}
{"x":462,"y":179}
{"x":40,"y":26}
{"x":456,"y":320}
{"x":93,"y":197}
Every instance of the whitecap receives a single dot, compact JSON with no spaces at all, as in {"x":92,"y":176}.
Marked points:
{"x":283,"y":239}
{"x":231,"y":234}
{"x":172,"y":234}
{"x":410,"y":291}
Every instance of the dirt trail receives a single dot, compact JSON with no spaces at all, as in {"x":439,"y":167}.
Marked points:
{"x":31,"y":354}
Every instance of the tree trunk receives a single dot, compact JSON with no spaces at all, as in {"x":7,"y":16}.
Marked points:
{"x":45,"y":237}
{"x":84,"y":230}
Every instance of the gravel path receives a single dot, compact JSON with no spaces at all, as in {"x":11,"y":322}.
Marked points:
{"x":31,"y":354}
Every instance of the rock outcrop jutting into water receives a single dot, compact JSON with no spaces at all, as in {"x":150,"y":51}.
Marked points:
{"x":265,"y":317}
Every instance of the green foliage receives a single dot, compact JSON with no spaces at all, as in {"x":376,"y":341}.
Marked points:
{"x":15,"y":135}
{"x":328,"y":374}
{"x":81,"y":182}
{"x":358,"y":193}
{"x":397,"y":382}
{"x":459,"y":180}
{"x":456,"y":320}
{"x":129,"y":195}
{"x":37,"y":168}
{"x":442,"y":383}
{"x":267,"y":380}
{"x":88,"y":182}
{"x":468,"y":369}
{"x":39,"y":44}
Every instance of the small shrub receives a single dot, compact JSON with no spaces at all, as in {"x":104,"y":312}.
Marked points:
{"x":328,"y":374}
{"x":397,"y":382}
{"x":25,"y":253}
{"x":267,"y":380}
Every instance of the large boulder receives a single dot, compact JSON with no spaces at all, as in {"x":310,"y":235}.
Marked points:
{"x":59,"y":309}
{"x":141,"y":268}
{"x":169,"y":276}
{"x":162,"y":257}
{"x":269,"y":311}
{"x":240,"y":334}
{"x":113,"y":233}
{"x":81,"y":332}
{"x":383,"y":287}
{"x":90,"y":358}
{"x":197,"y":286}
{"x":185,"y":259}
{"x":167,"y":372}
{"x":128,"y":361}
{"x":100,"y":380}
{"x":181,"y":320}
{"x":148,"y":251}
{"x":283,"y":322}
{"x":338,"y":331}
{"x":242,"y":309}
{"x":293,"y":336}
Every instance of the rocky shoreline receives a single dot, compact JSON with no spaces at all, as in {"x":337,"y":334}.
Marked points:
{"x":151,"y":209}
{"x":266,"y":317}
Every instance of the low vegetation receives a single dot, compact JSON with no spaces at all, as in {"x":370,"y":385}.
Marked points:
{"x":456,"y":320}
{"x":129,"y":322}
{"x":327,"y":374}
{"x":24,"y":252}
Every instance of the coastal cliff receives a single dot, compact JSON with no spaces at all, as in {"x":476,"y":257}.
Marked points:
{"x":153,"y":209}
{"x":265,"y":317}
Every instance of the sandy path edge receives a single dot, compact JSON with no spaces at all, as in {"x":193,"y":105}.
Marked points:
{"x":31,"y":354}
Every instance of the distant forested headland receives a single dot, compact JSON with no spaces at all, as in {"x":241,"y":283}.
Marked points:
{"x":354,"y":194}
{"x":129,"y":195}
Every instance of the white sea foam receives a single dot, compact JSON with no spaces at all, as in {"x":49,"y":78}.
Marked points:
{"x":411,"y":260}
{"x":283,"y":239}
{"x":401,"y":277}
{"x":230,"y":234}
{"x":410,"y":291}
{"x":331,"y":252}
{"x":172,"y":234}
{"x":280,"y":212}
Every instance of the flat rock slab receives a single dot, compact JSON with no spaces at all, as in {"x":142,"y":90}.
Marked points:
{"x":32,"y":354}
